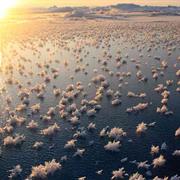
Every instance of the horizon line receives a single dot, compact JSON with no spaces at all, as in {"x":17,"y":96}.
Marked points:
{"x":73,"y":6}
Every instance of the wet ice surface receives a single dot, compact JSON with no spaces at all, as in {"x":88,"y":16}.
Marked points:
{"x":110,"y":60}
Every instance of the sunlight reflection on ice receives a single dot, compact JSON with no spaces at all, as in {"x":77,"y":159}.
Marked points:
{"x":0,"y":59}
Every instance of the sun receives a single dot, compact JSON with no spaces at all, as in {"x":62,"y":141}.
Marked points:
{"x":5,"y":5}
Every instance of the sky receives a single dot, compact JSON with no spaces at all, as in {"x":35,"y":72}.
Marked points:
{"x":47,"y":3}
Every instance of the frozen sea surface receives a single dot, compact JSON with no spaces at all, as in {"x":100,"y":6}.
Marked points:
{"x":85,"y":53}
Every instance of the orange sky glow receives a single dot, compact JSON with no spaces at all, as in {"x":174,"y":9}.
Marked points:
{"x":46,"y":3}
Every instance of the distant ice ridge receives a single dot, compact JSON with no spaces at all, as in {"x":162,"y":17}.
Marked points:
{"x":106,"y":11}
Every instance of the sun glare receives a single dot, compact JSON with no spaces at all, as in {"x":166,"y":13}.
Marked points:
{"x":5,"y":5}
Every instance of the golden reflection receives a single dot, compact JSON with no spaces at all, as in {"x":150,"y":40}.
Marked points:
{"x":0,"y":59}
